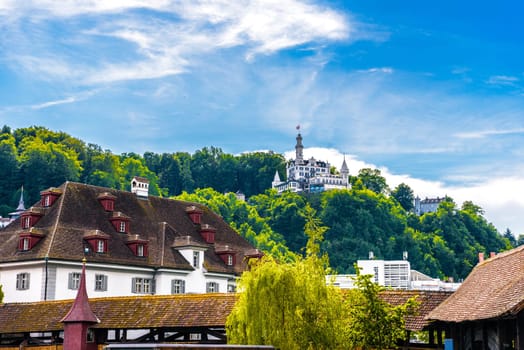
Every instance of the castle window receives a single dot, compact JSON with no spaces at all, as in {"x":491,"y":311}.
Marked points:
{"x":100,"y":283}
{"x":178,"y":287}
{"x":74,"y":280}
{"x":212,"y":287}
{"x":22,"y":281}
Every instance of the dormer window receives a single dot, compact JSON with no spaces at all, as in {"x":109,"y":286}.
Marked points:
{"x":28,"y":239}
{"x":137,"y":245}
{"x":120,"y":222}
{"x":196,"y":259}
{"x":107,"y":200}
{"x":195,"y":214}
{"x":208,"y":233}
{"x":49,"y":196}
{"x":25,"y":243}
{"x":97,"y":240}
{"x":101,"y":246}
{"x":26,"y":222}
{"x":30,"y":217}
{"x":140,"y":186}
{"x":227,"y":254}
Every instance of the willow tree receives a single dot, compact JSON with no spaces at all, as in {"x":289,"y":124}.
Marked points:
{"x":289,"y":305}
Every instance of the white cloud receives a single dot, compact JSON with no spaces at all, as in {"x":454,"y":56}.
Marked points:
{"x":165,"y":46}
{"x":487,"y":133}
{"x":502,"y":80}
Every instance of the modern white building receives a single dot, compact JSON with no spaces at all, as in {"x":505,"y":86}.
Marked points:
{"x":395,"y":274}
{"x":310,"y":175}
{"x":134,"y":244}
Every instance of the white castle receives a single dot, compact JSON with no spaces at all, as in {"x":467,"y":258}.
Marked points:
{"x":310,"y":175}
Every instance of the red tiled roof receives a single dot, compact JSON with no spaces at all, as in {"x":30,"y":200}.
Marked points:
{"x":428,"y":300}
{"x":196,"y":310}
{"x":494,"y":289}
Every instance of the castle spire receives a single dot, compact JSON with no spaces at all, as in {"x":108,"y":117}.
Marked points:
{"x":299,"y":148}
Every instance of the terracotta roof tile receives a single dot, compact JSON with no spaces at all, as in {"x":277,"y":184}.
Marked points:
{"x":428,"y":300}
{"x":494,"y":289}
{"x":203,"y":310}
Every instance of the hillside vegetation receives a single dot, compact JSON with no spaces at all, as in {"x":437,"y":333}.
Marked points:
{"x":367,"y":217}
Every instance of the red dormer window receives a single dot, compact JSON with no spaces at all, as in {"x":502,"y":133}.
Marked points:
{"x":98,"y":241}
{"x":49,"y":196}
{"x":120,"y":222}
{"x":107,"y":200}
{"x":227,"y":255}
{"x":138,"y":246}
{"x":195,"y":214}
{"x":30,"y":218}
{"x":27,"y":240}
{"x":208,"y":233}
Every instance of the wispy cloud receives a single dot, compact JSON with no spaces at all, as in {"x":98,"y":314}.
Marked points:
{"x":165,"y":46}
{"x":54,"y":103}
{"x":502,"y":80}
{"x":486,"y":133}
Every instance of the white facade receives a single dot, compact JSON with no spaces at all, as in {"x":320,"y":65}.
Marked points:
{"x":310,"y":175}
{"x":389,"y":273}
{"x":53,"y":281}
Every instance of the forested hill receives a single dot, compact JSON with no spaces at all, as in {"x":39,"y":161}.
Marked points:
{"x":368,"y":217}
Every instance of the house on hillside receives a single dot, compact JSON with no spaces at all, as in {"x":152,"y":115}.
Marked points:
{"x":135,"y":244}
{"x":487,"y":310}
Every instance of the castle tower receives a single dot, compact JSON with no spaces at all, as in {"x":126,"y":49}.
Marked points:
{"x":299,"y":148}
{"x":78,"y":320}
{"x":344,"y":171}
{"x":276,"y":180}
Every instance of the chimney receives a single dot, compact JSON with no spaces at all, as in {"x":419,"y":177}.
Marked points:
{"x":481,"y":257}
{"x":492,"y":254}
{"x":140,"y":186}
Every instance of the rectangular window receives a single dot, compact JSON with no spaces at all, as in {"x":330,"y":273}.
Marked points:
{"x":140,"y":250}
{"x":22,"y":281}
{"x":178,"y":287}
{"x":74,"y":280}
{"x":25,"y":243}
{"x":231,"y":288}
{"x":26,"y":222}
{"x":230,"y":260}
{"x":141,"y":285}
{"x":122,"y":226}
{"x":47,"y":201}
{"x":212,"y":287}
{"x":100,"y":283}
{"x":196,"y":259}
{"x":100,"y":246}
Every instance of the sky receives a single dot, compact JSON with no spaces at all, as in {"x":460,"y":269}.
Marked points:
{"x":431,"y":93}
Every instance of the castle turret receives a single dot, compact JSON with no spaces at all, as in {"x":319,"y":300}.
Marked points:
{"x":299,"y":149}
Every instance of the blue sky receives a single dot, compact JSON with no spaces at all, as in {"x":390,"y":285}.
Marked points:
{"x":432,"y":93}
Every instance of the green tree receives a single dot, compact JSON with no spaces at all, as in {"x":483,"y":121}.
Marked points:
{"x":289,"y":305}
{"x":403,"y":194}
{"x":374,"y":323}
{"x":373,"y":180}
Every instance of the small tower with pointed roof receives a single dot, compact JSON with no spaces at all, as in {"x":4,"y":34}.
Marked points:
{"x":21,"y":206}
{"x":299,"y":148}
{"x":78,"y":320}
{"x":344,"y":171}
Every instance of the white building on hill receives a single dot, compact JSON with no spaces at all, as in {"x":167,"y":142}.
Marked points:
{"x":310,"y":175}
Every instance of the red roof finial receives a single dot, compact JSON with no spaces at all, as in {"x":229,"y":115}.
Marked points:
{"x":81,"y":311}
